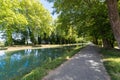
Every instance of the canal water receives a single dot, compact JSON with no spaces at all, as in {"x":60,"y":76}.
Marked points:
{"x":17,"y":63}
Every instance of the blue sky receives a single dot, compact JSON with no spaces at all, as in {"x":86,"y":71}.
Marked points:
{"x":48,"y":6}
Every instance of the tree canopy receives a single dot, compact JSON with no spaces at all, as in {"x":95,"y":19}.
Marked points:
{"x":29,"y":20}
{"x":90,"y":17}
{"x":27,"y":17}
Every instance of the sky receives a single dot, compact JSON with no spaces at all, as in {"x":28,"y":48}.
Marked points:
{"x":48,"y":6}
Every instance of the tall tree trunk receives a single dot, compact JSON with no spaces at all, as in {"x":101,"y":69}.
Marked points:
{"x":95,"y":40}
{"x":106,"y":43}
{"x":39,"y":40}
{"x":9,"y":38}
{"x":114,"y":18}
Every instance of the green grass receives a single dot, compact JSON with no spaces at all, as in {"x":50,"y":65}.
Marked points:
{"x":111,"y":58}
{"x":40,"y":72}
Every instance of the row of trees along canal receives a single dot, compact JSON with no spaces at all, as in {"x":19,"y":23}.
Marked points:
{"x":90,"y":18}
{"x":27,"y":20}
{"x":24,"y":21}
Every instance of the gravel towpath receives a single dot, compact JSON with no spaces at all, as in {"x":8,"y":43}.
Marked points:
{"x":85,"y":65}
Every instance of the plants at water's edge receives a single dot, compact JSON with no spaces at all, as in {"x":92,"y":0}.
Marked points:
{"x":40,"y":72}
{"x":111,"y":60}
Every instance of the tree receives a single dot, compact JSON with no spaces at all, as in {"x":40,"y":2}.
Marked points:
{"x":39,"y":19}
{"x":90,"y":19}
{"x":26,"y":17}
{"x":10,"y":18}
{"x":114,"y":18}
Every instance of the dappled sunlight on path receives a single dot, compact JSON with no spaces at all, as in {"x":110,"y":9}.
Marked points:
{"x":86,"y":65}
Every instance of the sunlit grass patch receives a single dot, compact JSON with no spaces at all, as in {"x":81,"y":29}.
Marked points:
{"x":111,"y":60}
{"x":36,"y":74}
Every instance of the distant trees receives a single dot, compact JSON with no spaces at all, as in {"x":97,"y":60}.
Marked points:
{"x":27,"y":18}
{"x":24,"y":21}
{"x":64,"y":34}
{"x":90,"y":17}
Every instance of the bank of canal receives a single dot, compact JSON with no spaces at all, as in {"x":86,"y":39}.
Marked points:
{"x":19,"y":63}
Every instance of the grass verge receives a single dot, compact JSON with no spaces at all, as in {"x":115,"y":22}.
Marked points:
{"x":40,"y":72}
{"x":111,"y":58}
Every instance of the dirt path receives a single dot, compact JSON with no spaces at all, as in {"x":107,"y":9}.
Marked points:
{"x":30,"y":47}
{"x":86,"y":65}
{"x":20,"y":47}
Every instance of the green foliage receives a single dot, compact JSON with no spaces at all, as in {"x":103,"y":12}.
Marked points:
{"x":64,"y":34}
{"x":36,"y":74}
{"x":112,"y":62}
{"x":90,"y":17}
{"x":19,"y":15}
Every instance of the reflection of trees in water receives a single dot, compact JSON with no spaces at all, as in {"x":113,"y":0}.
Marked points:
{"x":20,"y":62}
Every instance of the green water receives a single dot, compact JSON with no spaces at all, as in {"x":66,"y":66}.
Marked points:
{"x":17,"y":63}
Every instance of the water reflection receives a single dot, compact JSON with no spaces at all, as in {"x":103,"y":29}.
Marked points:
{"x":17,"y":63}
